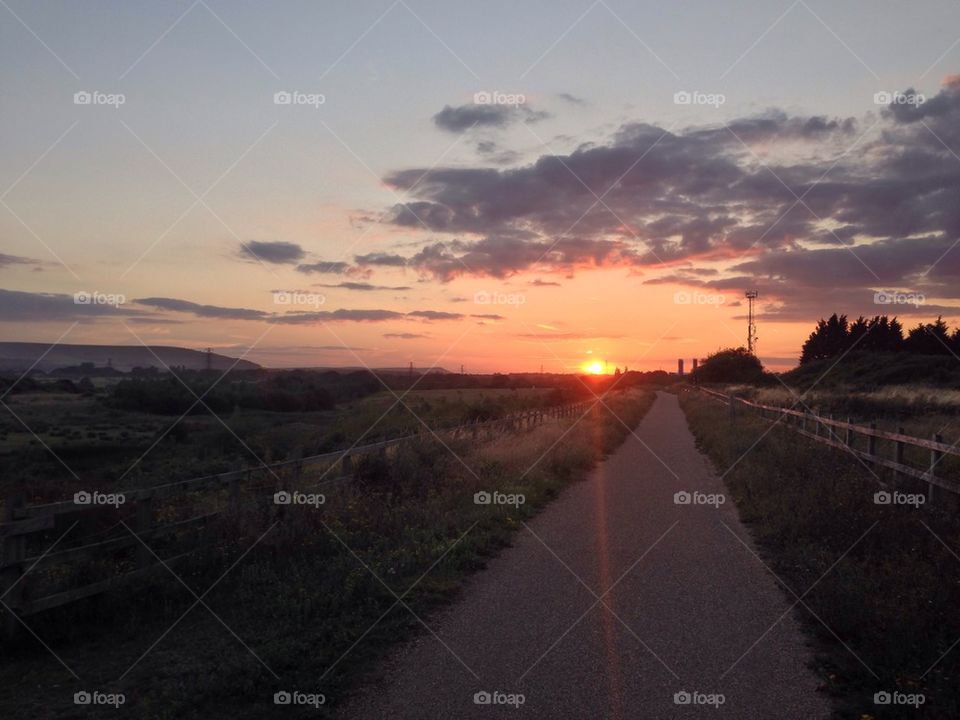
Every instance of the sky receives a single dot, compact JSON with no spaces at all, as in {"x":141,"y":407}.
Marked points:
{"x":503,"y":185}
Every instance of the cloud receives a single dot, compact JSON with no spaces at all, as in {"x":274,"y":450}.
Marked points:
{"x":278,"y":253}
{"x":19,"y":306}
{"x":11,"y":260}
{"x":544,"y":283}
{"x":298,"y":317}
{"x":363,"y":287}
{"x":572,"y":99}
{"x":405,"y":336}
{"x":715,"y":202}
{"x":324,"y":268}
{"x":383,"y":259}
{"x":203,"y":311}
{"x":435,"y":315}
{"x":309,"y":318}
{"x":467,"y":117}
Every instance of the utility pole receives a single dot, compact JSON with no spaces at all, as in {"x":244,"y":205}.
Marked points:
{"x":751,"y":296}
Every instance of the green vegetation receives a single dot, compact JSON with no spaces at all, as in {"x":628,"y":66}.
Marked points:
{"x":836,"y":336}
{"x":307,"y":584}
{"x":885,"y":579}
{"x":732,"y":365}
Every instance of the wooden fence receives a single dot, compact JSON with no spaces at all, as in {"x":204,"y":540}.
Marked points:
{"x":28,"y":532}
{"x":844,"y":435}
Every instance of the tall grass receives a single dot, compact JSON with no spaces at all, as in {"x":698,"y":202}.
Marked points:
{"x":884,"y":579}
{"x":307,"y":598}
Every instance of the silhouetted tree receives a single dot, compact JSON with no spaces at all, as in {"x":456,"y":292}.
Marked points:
{"x":929,"y":339}
{"x":730,"y":365}
{"x":829,"y":339}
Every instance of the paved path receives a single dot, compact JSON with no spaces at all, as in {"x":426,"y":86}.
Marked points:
{"x":690,"y":608}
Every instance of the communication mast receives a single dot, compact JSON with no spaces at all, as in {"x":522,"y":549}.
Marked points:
{"x":751,"y":296}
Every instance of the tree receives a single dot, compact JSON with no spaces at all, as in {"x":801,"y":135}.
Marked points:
{"x":829,"y":339}
{"x":730,"y":365}
{"x":929,"y":339}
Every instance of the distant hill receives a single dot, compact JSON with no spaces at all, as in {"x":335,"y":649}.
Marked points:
{"x":389,"y":370}
{"x":16,"y":356}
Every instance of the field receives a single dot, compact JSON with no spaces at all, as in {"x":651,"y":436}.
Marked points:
{"x":312,"y":594}
{"x":876,"y":585}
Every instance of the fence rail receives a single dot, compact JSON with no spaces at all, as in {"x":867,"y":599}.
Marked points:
{"x":23,"y":523}
{"x":823,"y":432}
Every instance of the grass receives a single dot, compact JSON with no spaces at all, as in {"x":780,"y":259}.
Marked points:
{"x":884,"y":579}
{"x":101,"y":446}
{"x":307,"y":597}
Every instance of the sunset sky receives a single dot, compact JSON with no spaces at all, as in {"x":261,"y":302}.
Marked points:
{"x":500,"y":185}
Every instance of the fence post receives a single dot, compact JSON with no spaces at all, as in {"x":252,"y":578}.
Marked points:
{"x":144,"y":523}
{"x":898,"y":458}
{"x":849,"y":438}
{"x":11,"y":566}
{"x":935,"y":457}
{"x":872,"y":446}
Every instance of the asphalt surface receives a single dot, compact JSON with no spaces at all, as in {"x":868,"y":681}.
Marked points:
{"x":686,"y":607}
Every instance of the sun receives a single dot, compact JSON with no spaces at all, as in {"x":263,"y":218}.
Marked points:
{"x":594,"y":368}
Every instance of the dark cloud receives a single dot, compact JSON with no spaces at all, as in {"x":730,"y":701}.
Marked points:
{"x":295,"y":317}
{"x":363,"y":287}
{"x":405,"y":336}
{"x":383,"y":259}
{"x":879,"y":209}
{"x":572,"y":99}
{"x":467,"y":117}
{"x":204,"y":311}
{"x":278,"y":253}
{"x":435,"y":315}
{"x":10,"y":260}
{"x":492,"y":152}
{"x":18,"y":306}
{"x":301,"y":318}
{"x":544,"y":283}
{"x":324,"y":268}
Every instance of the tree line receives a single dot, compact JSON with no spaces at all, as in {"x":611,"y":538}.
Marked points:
{"x":837,"y":335}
